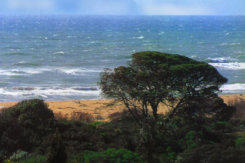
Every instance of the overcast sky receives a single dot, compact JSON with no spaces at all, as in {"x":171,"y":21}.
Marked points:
{"x":123,"y":7}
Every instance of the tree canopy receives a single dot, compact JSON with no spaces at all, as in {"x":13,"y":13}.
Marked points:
{"x":154,"y":77}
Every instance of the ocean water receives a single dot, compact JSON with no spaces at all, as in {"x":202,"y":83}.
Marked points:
{"x":61,"y":57}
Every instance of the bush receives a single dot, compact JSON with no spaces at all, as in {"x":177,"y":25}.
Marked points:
{"x":121,"y":132}
{"x":18,"y":155}
{"x":57,"y":151}
{"x":78,"y":136}
{"x":190,"y":140}
{"x":216,"y":153}
{"x":25,"y":125}
{"x":240,"y":143}
{"x":31,"y":159}
{"x":111,"y":155}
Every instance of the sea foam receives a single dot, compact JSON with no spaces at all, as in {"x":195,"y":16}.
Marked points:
{"x":233,"y":88}
{"x":230,"y":66}
{"x":48,"y":92}
{"x":33,"y":71}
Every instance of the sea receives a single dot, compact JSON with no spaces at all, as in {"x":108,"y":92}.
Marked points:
{"x":61,"y":57}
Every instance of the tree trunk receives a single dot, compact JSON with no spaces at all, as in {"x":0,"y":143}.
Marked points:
{"x":154,"y":107}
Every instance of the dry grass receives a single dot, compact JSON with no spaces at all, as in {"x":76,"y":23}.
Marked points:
{"x":101,"y":110}
{"x":238,"y":101}
{"x":75,"y":116}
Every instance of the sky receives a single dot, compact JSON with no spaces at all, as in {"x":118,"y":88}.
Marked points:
{"x":122,"y":7}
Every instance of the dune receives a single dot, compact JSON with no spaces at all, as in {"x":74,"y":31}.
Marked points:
{"x":102,"y":109}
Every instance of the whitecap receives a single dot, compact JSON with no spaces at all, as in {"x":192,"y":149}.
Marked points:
{"x":230,"y":44}
{"x":77,"y":71}
{"x":233,"y":88}
{"x":140,"y":37}
{"x":34,"y":71}
{"x":46,"y":92}
{"x":13,"y":72}
{"x":230,"y":66}
{"x":235,"y":43}
{"x":7,"y":73}
{"x":161,"y":33}
{"x":29,"y":71}
{"x":221,"y":59}
{"x":59,"y":52}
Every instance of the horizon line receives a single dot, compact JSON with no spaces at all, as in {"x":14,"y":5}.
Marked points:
{"x":1,"y":14}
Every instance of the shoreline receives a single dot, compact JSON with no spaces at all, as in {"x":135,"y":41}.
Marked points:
{"x":15,"y":101}
{"x":101,"y":109}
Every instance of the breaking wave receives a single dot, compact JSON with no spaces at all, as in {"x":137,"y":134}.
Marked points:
{"x":32,"y":71}
{"x":233,"y":88}
{"x":49,"y":92}
{"x":230,"y":66}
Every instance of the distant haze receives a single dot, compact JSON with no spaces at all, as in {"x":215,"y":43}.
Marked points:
{"x":122,"y":7}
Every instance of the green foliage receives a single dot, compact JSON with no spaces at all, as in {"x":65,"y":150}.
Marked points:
{"x":217,"y":153}
{"x":170,"y":154}
{"x":190,"y":140}
{"x":31,"y":159}
{"x":57,"y":151}
{"x":111,"y":155}
{"x":223,"y":112}
{"x":18,"y":155}
{"x":177,"y":137}
{"x":24,"y":126}
{"x":240,"y":143}
{"x":153,"y":77}
{"x":78,"y":136}
{"x":222,"y":126}
{"x":97,"y":124}
{"x":187,"y":86}
{"x":197,"y":129}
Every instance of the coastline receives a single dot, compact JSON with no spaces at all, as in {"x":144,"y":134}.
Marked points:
{"x":101,"y":109}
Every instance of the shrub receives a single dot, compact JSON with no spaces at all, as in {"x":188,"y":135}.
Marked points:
{"x":25,"y":125}
{"x":31,"y":159}
{"x":190,"y":140}
{"x":18,"y":155}
{"x":111,"y":155}
{"x":78,"y":136}
{"x":240,"y":143}
{"x":216,"y":153}
{"x":57,"y":151}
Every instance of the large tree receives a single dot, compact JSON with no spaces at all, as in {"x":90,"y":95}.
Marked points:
{"x":152,"y":78}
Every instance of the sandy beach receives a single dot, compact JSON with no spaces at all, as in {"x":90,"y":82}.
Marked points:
{"x":102,"y":109}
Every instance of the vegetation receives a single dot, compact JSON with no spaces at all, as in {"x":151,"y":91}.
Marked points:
{"x":187,"y":86}
{"x":111,"y":155}
{"x":153,"y":77}
{"x":198,"y":128}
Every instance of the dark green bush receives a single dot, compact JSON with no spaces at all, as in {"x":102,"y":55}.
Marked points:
{"x":24,"y":126}
{"x":240,"y":143}
{"x":216,"y":153}
{"x":111,"y":155}
{"x":79,"y":136}
{"x":31,"y":159}
{"x":56,"y":151}
{"x":18,"y":155}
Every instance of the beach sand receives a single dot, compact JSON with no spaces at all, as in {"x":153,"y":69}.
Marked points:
{"x":102,"y":109}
